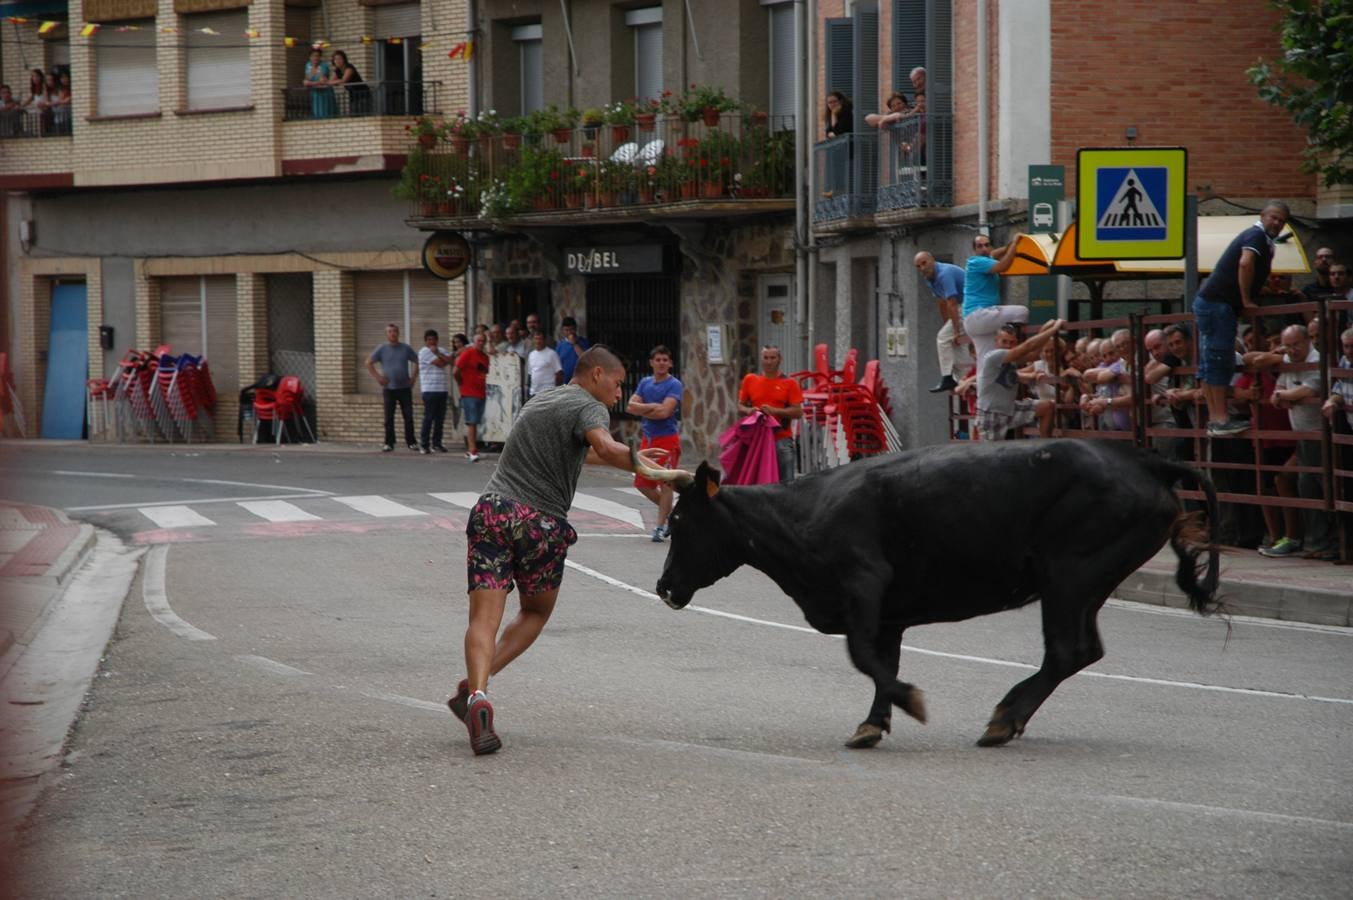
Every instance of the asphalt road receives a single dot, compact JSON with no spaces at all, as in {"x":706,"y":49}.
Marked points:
{"x":278,"y":730}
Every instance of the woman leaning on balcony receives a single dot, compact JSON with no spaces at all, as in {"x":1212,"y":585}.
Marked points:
{"x":346,"y":74}
{"x":317,"y":80}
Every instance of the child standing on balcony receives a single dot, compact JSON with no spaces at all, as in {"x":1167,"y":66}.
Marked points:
{"x":317,"y":80}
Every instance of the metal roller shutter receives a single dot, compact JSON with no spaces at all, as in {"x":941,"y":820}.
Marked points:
{"x":398,"y":20}
{"x":181,"y":315}
{"x":427,"y":308}
{"x":784,"y":72}
{"x":221,"y":343}
{"x":378,"y":299}
{"x":218,"y":64}
{"x":127,"y":80}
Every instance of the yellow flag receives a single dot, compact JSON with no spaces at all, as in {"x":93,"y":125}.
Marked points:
{"x":289,"y":41}
{"x":252,"y":32}
{"x":367,"y":39}
{"x":45,"y":27}
{"x":89,"y":29}
{"x":396,"y":40}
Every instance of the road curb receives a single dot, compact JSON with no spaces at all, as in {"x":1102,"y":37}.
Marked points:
{"x":1246,"y":598}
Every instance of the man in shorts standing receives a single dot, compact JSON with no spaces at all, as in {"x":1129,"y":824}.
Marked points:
{"x":656,"y":401}
{"x":998,"y":383}
{"x":1232,"y":288}
{"x":518,"y":532}
{"x":472,"y":374}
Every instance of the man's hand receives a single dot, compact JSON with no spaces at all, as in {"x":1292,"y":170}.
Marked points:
{"x":1331,"y":406}
{"x":382,"y":380}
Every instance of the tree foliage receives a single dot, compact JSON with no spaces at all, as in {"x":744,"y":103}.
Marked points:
{"x":1313,"y":81}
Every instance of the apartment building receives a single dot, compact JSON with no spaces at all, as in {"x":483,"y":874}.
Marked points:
{"x":652,"y":227}
{"x":1055,"y":76}
{"x":197,"y":194}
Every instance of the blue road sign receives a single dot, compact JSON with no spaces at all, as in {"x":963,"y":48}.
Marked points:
{"x":1131,"y":203}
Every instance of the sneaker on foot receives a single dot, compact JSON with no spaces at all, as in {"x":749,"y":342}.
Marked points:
{"x":479,"y":720}
{"x":460,"y":704}
{"x":472,"y":457}
{"x":438,"y":448}
{"x":413,"y":446}
{"x":424,"y":450}
{"x":1227,"y":428}
{"x":386,"y":448}
{"x":658,"y":535}
{"x":1283,"y":547}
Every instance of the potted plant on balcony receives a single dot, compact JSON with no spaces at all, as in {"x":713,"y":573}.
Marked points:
{"x":646,"y":113}
{"x":432,"y":194}
{"x":425,"y":131}
{"x":487,"y":127}
{"x":615,"y":182}
{"x":512,"y":128}
{"x":718,"y":154}
{"x":619,"y":115}
{"x":534,"y":182}
{"x":577,"y":177}
{"x":553,"y":120}
{"x":592,"y":118}
{"x":460,"y":131}
{"x":706,"y":103}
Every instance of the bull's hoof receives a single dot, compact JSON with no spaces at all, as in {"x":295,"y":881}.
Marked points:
{"x":999,"y":733}
{"x":912,"y":702}
{"x":865,"y":736}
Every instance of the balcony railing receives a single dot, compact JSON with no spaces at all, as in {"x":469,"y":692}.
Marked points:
{"x":906,"y":166}
{"x":668,"y":161}
{"x":381,"y":98}
{"x":35,"y":123}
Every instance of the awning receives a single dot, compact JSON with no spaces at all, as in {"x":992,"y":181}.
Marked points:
{"x":31,"y":8}
{"x":1044,"y":254}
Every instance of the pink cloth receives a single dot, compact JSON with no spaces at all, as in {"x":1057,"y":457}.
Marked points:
{"x":747,"y":451}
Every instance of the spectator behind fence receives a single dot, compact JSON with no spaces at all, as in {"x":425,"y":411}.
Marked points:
{"x":1112,"y":402}
{"x":894,"y":111}
{"x":1293,"y":391}
{"x":1184,"y":393}
{"x":1254,"y":386}
{"x":983,"y":314}
{"x":345,"y":74}
{"x":546,"y":371}
{"x":11,"y":119}
{"x":998,"y":410}
{"x":838,"y":117}
{"x":1232,"y":288}
{"x":1321,"y":287}
{"x":316,"y":79}
{"x":1341,"y":392}
{"x":61,"y":105}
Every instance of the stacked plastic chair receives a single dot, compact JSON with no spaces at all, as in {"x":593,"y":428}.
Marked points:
{"x":844,"y":420}
{"x":291,"y":406}
{"x":131,"y":396}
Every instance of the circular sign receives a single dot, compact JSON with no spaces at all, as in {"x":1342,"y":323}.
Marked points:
{"x":447,"y":254}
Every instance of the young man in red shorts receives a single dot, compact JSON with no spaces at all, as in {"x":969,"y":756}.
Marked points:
{"x":518,"y":532}
{"x":656,"y":401}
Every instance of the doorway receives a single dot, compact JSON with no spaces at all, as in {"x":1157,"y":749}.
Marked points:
{"x":519,"y":299}
{"x":63,"y":399}
{"x":291,"y":334}
{"x":631,"y":316}
{"x":778,"y":325}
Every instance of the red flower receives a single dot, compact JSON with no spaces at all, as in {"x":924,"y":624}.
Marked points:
{"x":554,"y":175}
{"x":422,"y":177}
{"x":723,"y":161}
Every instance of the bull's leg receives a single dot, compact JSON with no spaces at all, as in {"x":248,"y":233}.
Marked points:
{"x":861,"y":640}
{"x":888,"y":647}
{"x":1071,"y":642}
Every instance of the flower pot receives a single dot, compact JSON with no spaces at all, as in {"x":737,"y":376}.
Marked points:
{"x":677,"y":126}
{"x":711,"y":190}
{"x":427,"y":208}
{"x":427,"y":141}
{"x":588,"y":151}
{"x":646,"y":121}
{"x":511,"y":141}
{"x":760,"y":118}
{"x":647,"y":195}
{"x":620,"y":133}
{"x":689,"y":190}
{"x":543,"y":203}
{"x":606,"y":198}
{"x":590,"y":132}
{"x":459,"y":145}
{"x":562,"y":135}
{"x":711,"y":116}
{"x":444,"y":207}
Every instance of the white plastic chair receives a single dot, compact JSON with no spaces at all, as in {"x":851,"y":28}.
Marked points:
{"x":625,"y":152}
{"x":652,"y":152}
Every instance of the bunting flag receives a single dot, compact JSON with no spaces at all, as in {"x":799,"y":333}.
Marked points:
{"x":396,"y":40}
{"x":252,"y":33}
{"x":89,"y":29}
{"x":211,"y":31}
{"x":289,"y":42}
{"x":464,"y":50}
{"x":17,"y":20}
{"x":368,"y":39}
{"x":45,"y":27}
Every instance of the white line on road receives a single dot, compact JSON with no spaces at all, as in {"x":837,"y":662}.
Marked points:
{"x":1191,"y":685}
{"x":174,"y":516}
{"x":626,"y":514}
{"x":1276,"y":818}
{"x":277,"y":511}
{"x":1151,"y":609}
{"x":412,"y":702}
{"x":271,"y":665}
{"x":463,"y":499}
{"x":91,"y":474}
{"x":157,"y":602}
{"x":196,"y":501}
{"x":378,"y":506}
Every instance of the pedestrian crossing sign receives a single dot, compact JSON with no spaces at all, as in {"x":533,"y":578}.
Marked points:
{"x":1131,"y":202}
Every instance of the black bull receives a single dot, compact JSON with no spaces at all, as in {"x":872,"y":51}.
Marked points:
{"x":944,"y":534}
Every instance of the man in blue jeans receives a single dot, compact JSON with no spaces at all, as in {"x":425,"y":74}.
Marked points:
{"x":1232,"y":288}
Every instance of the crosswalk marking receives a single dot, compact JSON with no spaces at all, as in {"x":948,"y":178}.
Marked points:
{"x":174,"y":516}
{"x":278,"y":511}
{"x":378,"y":506}
{"x":630,"y":491}
{"x":626,"y":514}
{"x":463,"y":499}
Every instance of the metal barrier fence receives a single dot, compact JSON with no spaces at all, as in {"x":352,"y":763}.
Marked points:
{"x":379,"y":98}
{"x":1271,"y":467}
{"x":35,"y":123}
{"x":917,"y":167}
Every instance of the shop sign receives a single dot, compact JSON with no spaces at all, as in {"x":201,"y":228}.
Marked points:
{"x":447,"y":254}
{"x":622,"y":260}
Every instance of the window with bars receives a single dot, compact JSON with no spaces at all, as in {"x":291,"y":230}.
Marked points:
{"x":197,"y":317}
{"x":218,"y":59}
{"x":630,"y":316}
{"x":127,"y":80}
{"x":415,"y":301}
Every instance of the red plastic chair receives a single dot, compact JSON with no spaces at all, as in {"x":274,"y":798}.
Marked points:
{"x":265,"y":410}
{"x":291,"y":405}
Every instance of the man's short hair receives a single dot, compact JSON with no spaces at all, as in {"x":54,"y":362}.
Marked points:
{"x":430,"y":333}
{"x":1180,"y":329}
{"x":979,"y":236}
{"x":660,"y":350}
{"x":1010,"y":328}
{"x":568,"y":322}
{"x":1278,"y":204}
{"x":599,"y":355}
{"x":392,"y":325}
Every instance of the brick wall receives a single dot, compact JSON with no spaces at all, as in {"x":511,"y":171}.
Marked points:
{"x":1177,"y":72}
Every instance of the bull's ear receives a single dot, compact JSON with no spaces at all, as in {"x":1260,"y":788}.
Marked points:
{"x":707,"y":479}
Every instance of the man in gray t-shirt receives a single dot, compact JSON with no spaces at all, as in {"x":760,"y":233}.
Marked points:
{"x":396,"y":383}
{"x":998,"y":377}
{"x":518,"y":531}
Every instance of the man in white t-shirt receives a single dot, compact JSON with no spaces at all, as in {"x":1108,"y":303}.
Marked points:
{"x":1298,"y":392}
{"x":543,"y":364}
{"x":432,"y":363}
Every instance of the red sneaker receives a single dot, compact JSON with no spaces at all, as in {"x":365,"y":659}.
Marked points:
{"x":479,"y":719}
{"x":460,"y":703}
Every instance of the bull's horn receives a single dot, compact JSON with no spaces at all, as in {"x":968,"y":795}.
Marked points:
{"x":679,"y":477}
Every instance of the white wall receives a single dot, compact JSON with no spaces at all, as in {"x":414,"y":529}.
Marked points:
{"x":1025,"y":124}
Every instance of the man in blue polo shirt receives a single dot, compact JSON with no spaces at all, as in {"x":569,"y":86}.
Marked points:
{"x":571,"y":346}
{"x":946,"y":283}
{"x":1232,"y":287}
{"x":983,"y":314}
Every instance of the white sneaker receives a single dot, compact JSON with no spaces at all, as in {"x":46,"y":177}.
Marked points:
{"x":472,"y":457}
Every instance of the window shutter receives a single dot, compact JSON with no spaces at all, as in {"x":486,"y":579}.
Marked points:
{"x":784,"y":82}
{"x":428,"y":308}
{"x":939,"y":63}
{"x":222,"y":340}
{"x":378,"y":299}
{"x":865,"y":77}
{"x":532,"y":75}
{"x":399,"y":20}
{"x":840,"y":56}
{"x":128,"y":80}
{"x":218,"y":64}
{"x":909,"y":42}
{"x":181,"y":315}
{"x":648,"y":61}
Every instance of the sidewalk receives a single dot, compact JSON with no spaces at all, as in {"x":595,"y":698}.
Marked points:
{"x":39,"y":549}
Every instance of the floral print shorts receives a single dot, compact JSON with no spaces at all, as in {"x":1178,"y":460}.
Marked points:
{"x":509,"y":541}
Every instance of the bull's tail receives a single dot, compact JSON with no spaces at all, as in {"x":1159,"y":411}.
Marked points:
{"x":1191,"y":538}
